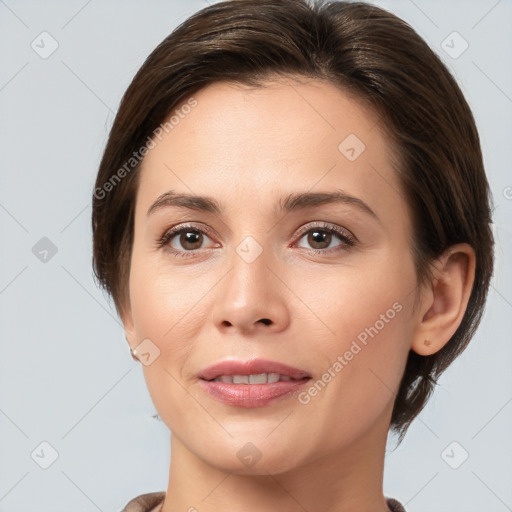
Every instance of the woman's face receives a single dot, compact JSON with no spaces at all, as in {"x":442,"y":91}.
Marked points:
{"x":327,"y":287}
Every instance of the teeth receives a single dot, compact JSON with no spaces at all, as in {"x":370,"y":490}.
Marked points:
{"x":261,"y":378}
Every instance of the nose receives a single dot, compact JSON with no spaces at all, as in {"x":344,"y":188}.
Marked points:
{"x":251,"y":298}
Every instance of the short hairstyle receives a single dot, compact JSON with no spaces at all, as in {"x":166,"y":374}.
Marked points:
{"x":367,"y":52}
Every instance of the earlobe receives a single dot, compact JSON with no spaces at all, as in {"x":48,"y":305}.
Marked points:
{"x":443,"y":308}
{"x":131,"y":339}
{"x":133,"y":353}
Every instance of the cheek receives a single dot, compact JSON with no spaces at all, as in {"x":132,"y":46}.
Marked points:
{"x":358,"y":299}
{"x":169,"y":307}
{"x":165,"y":299}
{"x":163,"y":311}
{"x":366,"y":321}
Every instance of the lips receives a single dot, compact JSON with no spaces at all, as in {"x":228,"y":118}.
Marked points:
{"x":253,"y":369}
{"x":255,"y":383}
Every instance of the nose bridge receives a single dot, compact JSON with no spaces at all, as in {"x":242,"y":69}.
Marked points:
{"x":251,"y":297}
{"x":251,"y":260}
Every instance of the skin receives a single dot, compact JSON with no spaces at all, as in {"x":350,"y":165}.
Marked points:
{"x":247,"y":148}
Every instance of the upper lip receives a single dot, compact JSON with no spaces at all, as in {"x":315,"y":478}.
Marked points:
{"x":252,"y":367}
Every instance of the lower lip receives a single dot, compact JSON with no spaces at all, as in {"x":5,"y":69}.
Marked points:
{"x":251,"y":395}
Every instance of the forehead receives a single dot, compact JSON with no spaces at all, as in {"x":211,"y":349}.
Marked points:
{"x":241,"y":143}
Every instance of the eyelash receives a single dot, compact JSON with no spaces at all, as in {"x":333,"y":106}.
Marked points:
{"x":345,"y":236}
{"x":168,"y":235}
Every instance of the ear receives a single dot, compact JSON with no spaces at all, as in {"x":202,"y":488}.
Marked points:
{"x":129,"y":329}
{"x":128,"y":325}
{"x":444,"y":300}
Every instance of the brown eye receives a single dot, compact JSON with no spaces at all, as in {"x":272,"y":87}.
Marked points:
{"x":319,"y":239}
{"x":185,"y":241}
{"x":190,"y":239}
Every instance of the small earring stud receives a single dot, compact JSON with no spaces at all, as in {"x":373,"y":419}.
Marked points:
{"x":134,"y":354}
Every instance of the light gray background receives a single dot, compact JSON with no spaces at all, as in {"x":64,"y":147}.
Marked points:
{"x":66,"y":376}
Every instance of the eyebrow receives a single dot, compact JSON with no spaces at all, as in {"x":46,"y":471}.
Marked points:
{"x":289,"y":203}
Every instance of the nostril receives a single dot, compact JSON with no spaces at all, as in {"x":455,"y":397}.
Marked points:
{"x":266,"y":321}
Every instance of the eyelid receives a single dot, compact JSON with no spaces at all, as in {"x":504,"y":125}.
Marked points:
{"x":173,"y":230}
{"x":322,"y":225}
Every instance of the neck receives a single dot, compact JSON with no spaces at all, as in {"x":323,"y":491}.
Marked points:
{"x":348,"y":479}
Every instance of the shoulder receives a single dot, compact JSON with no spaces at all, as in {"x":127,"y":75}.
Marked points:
{"x":145,"y":502}
{"x":395,"y":505}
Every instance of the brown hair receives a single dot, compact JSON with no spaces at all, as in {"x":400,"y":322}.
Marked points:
{"x":368,"y":52}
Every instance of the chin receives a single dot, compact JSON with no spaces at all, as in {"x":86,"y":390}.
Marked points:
{"x":253,"y":457}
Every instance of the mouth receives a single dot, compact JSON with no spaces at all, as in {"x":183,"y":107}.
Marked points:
{"x":252,"y":383}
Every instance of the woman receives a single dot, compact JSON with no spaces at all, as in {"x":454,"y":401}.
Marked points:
{"x":292,"y":217}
